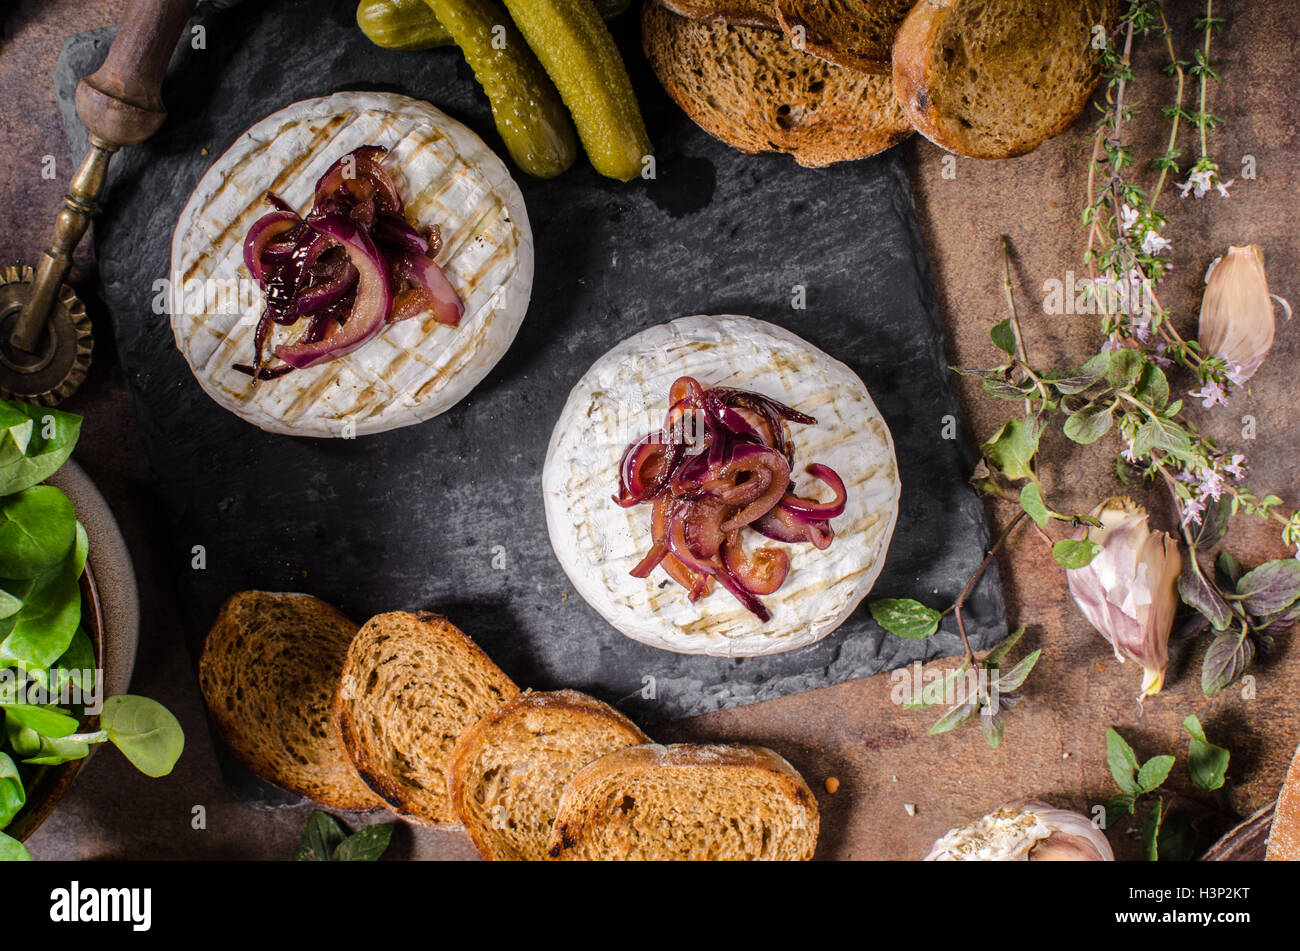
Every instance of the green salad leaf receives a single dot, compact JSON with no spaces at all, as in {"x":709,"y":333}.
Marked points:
{"x":37,"y":530}
{"x":12,"y":795}
{"x":47,"y":721}
{"x":70,"y":669}
{"x":11,"y":850}
{"x":146,"y":732}
{"x":34,"y":442}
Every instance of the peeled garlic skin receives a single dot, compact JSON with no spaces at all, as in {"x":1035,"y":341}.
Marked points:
{"x":1130,"y":590}
{"x":1062,"y":847}
{"x":1027,"y":830}
{"x":1237,"y":322}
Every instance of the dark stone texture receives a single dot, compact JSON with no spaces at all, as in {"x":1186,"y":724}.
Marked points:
{"x":409,"y":518}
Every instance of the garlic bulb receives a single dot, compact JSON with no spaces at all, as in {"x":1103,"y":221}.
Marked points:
{"x":1130,"y":590}
{"x":1237,"y":311}
{"x":1027,"y":830}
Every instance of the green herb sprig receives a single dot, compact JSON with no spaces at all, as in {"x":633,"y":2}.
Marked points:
{"x":1169,"y":827}
{"x":1126,"y":389}
{"x":325,"y":840}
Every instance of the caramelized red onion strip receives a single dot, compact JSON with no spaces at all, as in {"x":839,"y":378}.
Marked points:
{"x":329,"y":267}
{"x":737,"y":476}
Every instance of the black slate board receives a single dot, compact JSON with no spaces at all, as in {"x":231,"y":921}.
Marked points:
{"x":412,"y":518}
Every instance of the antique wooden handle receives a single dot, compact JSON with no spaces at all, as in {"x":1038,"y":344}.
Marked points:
{"x":121,"y":102}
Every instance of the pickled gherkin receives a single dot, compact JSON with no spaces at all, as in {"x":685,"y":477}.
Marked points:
{"x":573,"y":43}
{"x":401,"y":25}
{"x":411,"y":25}
{"x":528,"y":113}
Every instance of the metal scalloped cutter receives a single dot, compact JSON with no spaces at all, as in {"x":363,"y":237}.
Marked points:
{"x":45,"y":335}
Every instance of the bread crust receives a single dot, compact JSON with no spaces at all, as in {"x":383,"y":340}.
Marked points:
{"x":819,"y":113}
{"x":913,"y":82}
{"x":476,"y":738}
{"x":756,"y":13}
{"x":399,"y":795}
{"x":572,"y":818}
{"x":1284,"y":836}
{"x":342,"y":790}
{"x":820,"y":38}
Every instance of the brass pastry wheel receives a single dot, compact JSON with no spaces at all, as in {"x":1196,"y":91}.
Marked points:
{"x":45,"y":334}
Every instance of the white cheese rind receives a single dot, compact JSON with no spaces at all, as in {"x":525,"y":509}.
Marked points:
{"x":413,"y":370}
{"x":625,"y":395}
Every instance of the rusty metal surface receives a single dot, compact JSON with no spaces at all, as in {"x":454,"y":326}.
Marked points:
{"x":879,"y":754}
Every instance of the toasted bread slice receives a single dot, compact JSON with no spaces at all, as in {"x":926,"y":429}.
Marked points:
{"x":686,"y":802}
{"x":1284,"y":836}
{"x":997,"y":78}
{"x":858,"y":34}
{"x":759,"y":13}
{"x":753,"y":90}
{"x":508,"y":770}
{"x":410,"y":684}
{"x":268,"y":672}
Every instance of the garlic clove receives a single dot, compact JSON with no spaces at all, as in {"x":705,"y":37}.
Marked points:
{"x":1129,"y":592}
{"x":1027,"y":830}
{"x":1237,"y":323}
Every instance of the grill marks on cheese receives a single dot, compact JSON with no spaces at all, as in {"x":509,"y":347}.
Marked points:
{"x":413,"y":369}
{"x":598,"y":542}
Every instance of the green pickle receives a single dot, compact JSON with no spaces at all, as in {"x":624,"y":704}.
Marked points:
{"x":575,"y":46}
{"x":529,"y":115}
{"x":401,"y":25}
{"x":411,"y":25}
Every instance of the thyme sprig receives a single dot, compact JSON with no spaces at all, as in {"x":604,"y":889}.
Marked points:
{"x":1125,"y":388}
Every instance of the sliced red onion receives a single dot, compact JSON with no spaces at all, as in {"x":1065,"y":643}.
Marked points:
{"x":782,"y":525}
{"x":327,"y":293}
{"x":679,"y":543}
{"x":702,"y":529}
{"x":370,"y":306}
{"x":423,"y":273}
{"x":760,"y":572}
{"x":685,"y":425}
{"x":686,"y":388}
{"x":409,"y":303}
{"x":363,"y":214}
{"x":358,"y":177}
{"x":761,"y":403}
{"x":741,"y":476}
{"x":394,"y":230}
{"x":658,"y":552}
{"x":744,"y":596}
{"x":728,"y":417}
{"x":819,"y":510}
{"x":769,"y":469}
{"x":278,"y":203}
{"x":697,"y":584}
{"x":265,"y":230}
{"x":262,"y":373}
{"x":648,"y":466}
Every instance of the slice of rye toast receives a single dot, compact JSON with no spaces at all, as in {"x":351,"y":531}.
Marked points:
{"x":753,"y":90}
{"x":410,"y":685}
{"x":997,"y":78}
{"x":508,"y":770}
{"x":686,"y":802}
{"x":759,"y":13}
{"x":268,"y":672}
{"x":858,"y":34}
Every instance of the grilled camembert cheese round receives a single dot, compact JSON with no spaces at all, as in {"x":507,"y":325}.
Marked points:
{"x":414,"y":369}
{"x":625,"y":395}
